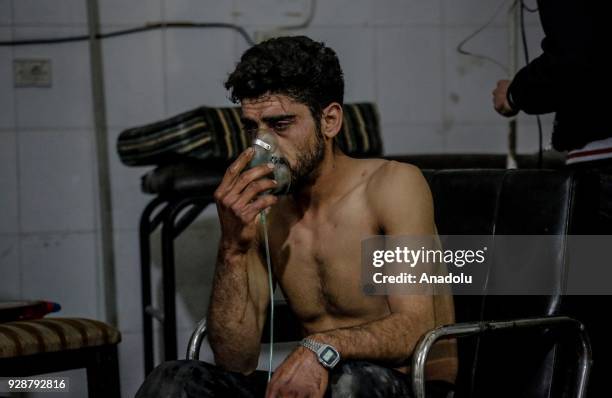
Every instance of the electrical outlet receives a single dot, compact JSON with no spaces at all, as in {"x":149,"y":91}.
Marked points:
{"x":32,"y":72}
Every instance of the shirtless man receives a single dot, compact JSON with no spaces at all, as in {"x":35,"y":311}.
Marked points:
{"x":293,"y":88}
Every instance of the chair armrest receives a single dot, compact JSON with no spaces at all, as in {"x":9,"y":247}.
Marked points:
{"x":424,"y":345}
{"x":195,"y":341}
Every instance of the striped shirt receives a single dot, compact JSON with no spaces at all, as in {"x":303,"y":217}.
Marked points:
{"x":594,"y":150}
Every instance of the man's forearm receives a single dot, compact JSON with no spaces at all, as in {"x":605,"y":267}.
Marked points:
{"x":232,"y":319}
{"x":390,"y":340}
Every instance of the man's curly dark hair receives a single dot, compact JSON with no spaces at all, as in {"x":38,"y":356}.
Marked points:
{"x":297,"y":66}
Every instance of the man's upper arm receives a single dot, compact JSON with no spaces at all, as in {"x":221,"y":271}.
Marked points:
{"x":403,"y":205}
{"x":402,"y":200}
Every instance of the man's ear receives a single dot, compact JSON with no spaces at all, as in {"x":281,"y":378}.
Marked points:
{"x":331,"y":120}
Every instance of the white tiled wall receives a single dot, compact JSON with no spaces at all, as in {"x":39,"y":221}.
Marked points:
{"x":133,"y":70}
{"x":56,"y":190}
{"x":399,"y":53}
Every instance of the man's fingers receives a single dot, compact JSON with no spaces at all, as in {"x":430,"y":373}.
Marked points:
{"x":272,"y":390}
{"x":253,"y":189}
{"x":252,"y":209}
{"x":233,"y":171}
{"x":249,"y":176}
{"x":235,"y":192}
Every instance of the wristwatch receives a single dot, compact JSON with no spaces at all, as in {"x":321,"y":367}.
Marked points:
{"x":326,"y":354}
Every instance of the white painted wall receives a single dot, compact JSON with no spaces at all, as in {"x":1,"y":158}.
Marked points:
{"x":399,"y":53}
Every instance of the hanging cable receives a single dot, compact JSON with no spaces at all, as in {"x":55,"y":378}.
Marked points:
{"x":147,"y":27}
{"x":462,"y":43}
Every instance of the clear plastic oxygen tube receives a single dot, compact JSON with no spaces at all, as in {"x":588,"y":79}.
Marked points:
{"x":262,"y":218}
{"x":267,"y":151}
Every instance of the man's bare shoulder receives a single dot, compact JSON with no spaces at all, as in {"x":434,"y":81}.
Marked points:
{"x":398,"y":195}
{"x":393,"y":177}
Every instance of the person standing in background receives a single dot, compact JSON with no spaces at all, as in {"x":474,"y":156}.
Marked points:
{"x":571,"y":78}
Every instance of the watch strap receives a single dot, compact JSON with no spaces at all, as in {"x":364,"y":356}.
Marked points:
{"x":318,"y":348}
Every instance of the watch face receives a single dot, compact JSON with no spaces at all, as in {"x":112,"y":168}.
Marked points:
{"x":329,"y":355}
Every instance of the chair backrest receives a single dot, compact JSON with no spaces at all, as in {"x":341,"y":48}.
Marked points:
{"x":512,"y":202}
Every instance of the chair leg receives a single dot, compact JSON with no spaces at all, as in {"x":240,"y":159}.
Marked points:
{"x":103,"y":373}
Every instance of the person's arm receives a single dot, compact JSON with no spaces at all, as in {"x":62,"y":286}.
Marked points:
{"x":559,"y":76}
{"x":240,"y":292}
{"x":401,"y":199}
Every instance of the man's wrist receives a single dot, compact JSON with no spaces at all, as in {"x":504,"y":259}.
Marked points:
{"x":326,"y":339}
{"x":229,"y":250}
{"x":511,"y":104}
{"x":326,"y":354}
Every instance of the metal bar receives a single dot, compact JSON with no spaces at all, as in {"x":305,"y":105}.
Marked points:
{"x":145,"y":230}
{"x":196,"y":339}
{"x":469,"y":328}
{"x":198,"y":205}
{"x":168,"y":277}
{"x":155,"y":313}
{"x":105,"y":269}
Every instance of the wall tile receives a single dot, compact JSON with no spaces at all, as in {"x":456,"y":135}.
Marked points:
{"x":8,"y":181}
{"x":134,"y":12}
{"x":133,"y":76}
{"x":474,"y":12}
{"x":7,"y":95}
{"x":270,"y":12}
{"x":10,"y":283}
{"x":470,"y":80}
{"x":56,"y":170}
{"x":36,"y":12}
{"x":412,"y":138}
{"x":61,"y":268}
{"x":354,"y":47}
{"x":477,"y":138}
{"x":197,"y":64}
{"x":131,"y":363}
{"x":127,"y":280}
{"x":198,"y":10}
{"x":405,"y":12}
{"x":6,"y":17}
{"x":67,"y":103}
{"x":342,"y":13}
{"x":408,"y":66}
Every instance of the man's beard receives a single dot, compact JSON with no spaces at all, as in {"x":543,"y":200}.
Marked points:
{"x":308,"y":161}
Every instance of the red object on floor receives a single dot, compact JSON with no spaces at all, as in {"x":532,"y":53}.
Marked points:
{"x":25,"y":310}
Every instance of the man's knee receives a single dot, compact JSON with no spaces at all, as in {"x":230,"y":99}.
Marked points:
{"x":364,"y":379}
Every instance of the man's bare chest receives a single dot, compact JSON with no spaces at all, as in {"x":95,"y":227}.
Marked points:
{"x":317,"y":263}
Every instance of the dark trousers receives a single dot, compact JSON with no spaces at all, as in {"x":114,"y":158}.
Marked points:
{"x":355,"y":379}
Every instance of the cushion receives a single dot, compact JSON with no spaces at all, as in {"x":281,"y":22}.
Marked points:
{"x":216,"y":134}
{"x":54,"y":334}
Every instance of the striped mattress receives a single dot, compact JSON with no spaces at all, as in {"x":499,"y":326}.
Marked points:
{"x":54,"y":334}
{"x":216,"y":134}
